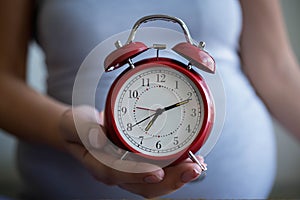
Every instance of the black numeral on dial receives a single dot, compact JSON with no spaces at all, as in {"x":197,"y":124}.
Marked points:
{"x":133,"y":94}
{"x":146,"y":82}
{"x":158,"y":145}
{"x":160,"y":78}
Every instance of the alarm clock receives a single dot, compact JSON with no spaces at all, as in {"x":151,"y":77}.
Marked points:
{"x":159,"y":108}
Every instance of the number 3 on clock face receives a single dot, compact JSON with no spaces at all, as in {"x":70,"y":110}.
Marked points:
{"x":159,"y":109}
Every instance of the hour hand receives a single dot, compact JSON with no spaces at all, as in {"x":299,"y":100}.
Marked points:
{"x":151,"y":122}
{"x":157,"y":113}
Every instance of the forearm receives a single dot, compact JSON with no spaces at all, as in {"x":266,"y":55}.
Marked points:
{"x":29,"y":115}
{"x":284,"y":103}
{"x":280,"y":91}
{"x":269,"y":62}
{"x":23,"y":112}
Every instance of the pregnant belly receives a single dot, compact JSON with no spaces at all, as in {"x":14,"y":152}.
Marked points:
{"x":243,"y":162}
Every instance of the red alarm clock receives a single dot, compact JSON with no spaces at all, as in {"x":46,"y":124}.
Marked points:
{"x":159,"y":107}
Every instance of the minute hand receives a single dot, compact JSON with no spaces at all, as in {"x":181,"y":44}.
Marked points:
{"x":176,"y":105}
{"x":160,"y":111}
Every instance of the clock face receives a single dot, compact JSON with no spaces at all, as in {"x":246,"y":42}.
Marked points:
{"x":158,"y":111}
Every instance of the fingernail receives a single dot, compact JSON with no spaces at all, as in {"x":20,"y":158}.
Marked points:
{"x":190,"y":175}
{"x":101,"y":119}
{"x":94,"y":138}
{"x":156,"y":178}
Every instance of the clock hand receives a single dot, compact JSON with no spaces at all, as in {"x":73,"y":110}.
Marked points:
{"x":143,"y":120}
{"x":176,"y":105}
{"x":158,"y":112}
{"x":138,"y":107}
{"x":151,"y":122}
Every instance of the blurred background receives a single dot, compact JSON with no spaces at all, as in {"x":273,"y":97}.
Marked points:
{"x":287,"y":184}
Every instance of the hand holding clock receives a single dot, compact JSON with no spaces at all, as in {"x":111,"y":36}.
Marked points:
{"x":155,"y":182}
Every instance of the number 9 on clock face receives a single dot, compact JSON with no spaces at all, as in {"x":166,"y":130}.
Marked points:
{"x":160,"y":109}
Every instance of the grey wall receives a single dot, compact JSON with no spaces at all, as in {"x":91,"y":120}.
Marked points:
{"x":287,"y":183}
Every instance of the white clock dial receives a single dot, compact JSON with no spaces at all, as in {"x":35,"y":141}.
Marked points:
{"x":158,"y":111}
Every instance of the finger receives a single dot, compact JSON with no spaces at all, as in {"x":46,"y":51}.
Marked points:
{"x":123,"y":171}
{"x":88,"y":122}
{"x":108,"y":169}
{"x":77,"y":124}
{"x":101,"y":119}
{"x":175,"y":178}
{"x":96,"y":137}
{"x":201,"y":160}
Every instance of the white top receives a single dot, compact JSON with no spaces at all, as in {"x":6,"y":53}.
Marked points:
{"x":242,"y":164}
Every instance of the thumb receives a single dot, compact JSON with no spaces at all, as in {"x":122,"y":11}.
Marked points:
{"x":82,"y":125}
{"x":96,"y":137}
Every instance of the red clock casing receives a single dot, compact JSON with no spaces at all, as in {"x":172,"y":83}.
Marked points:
{"x":208,"y":106}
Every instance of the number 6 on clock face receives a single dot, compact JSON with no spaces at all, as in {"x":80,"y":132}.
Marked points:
{"x":159,"y":109}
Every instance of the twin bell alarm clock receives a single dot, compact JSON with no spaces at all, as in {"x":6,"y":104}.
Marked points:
{"x":159,"y":107}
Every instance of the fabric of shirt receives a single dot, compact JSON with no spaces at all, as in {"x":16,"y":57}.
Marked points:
{"x":242,"y":163}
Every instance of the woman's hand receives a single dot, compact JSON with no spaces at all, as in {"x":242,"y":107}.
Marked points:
{"x":150,"y":181}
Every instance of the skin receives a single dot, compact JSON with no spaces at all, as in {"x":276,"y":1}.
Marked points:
{"x":267,"y":58}
{"x":25,"y":107}
{"x":269,"y":62}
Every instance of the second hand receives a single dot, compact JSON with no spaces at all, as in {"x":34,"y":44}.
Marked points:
{"x":141,"y":108}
